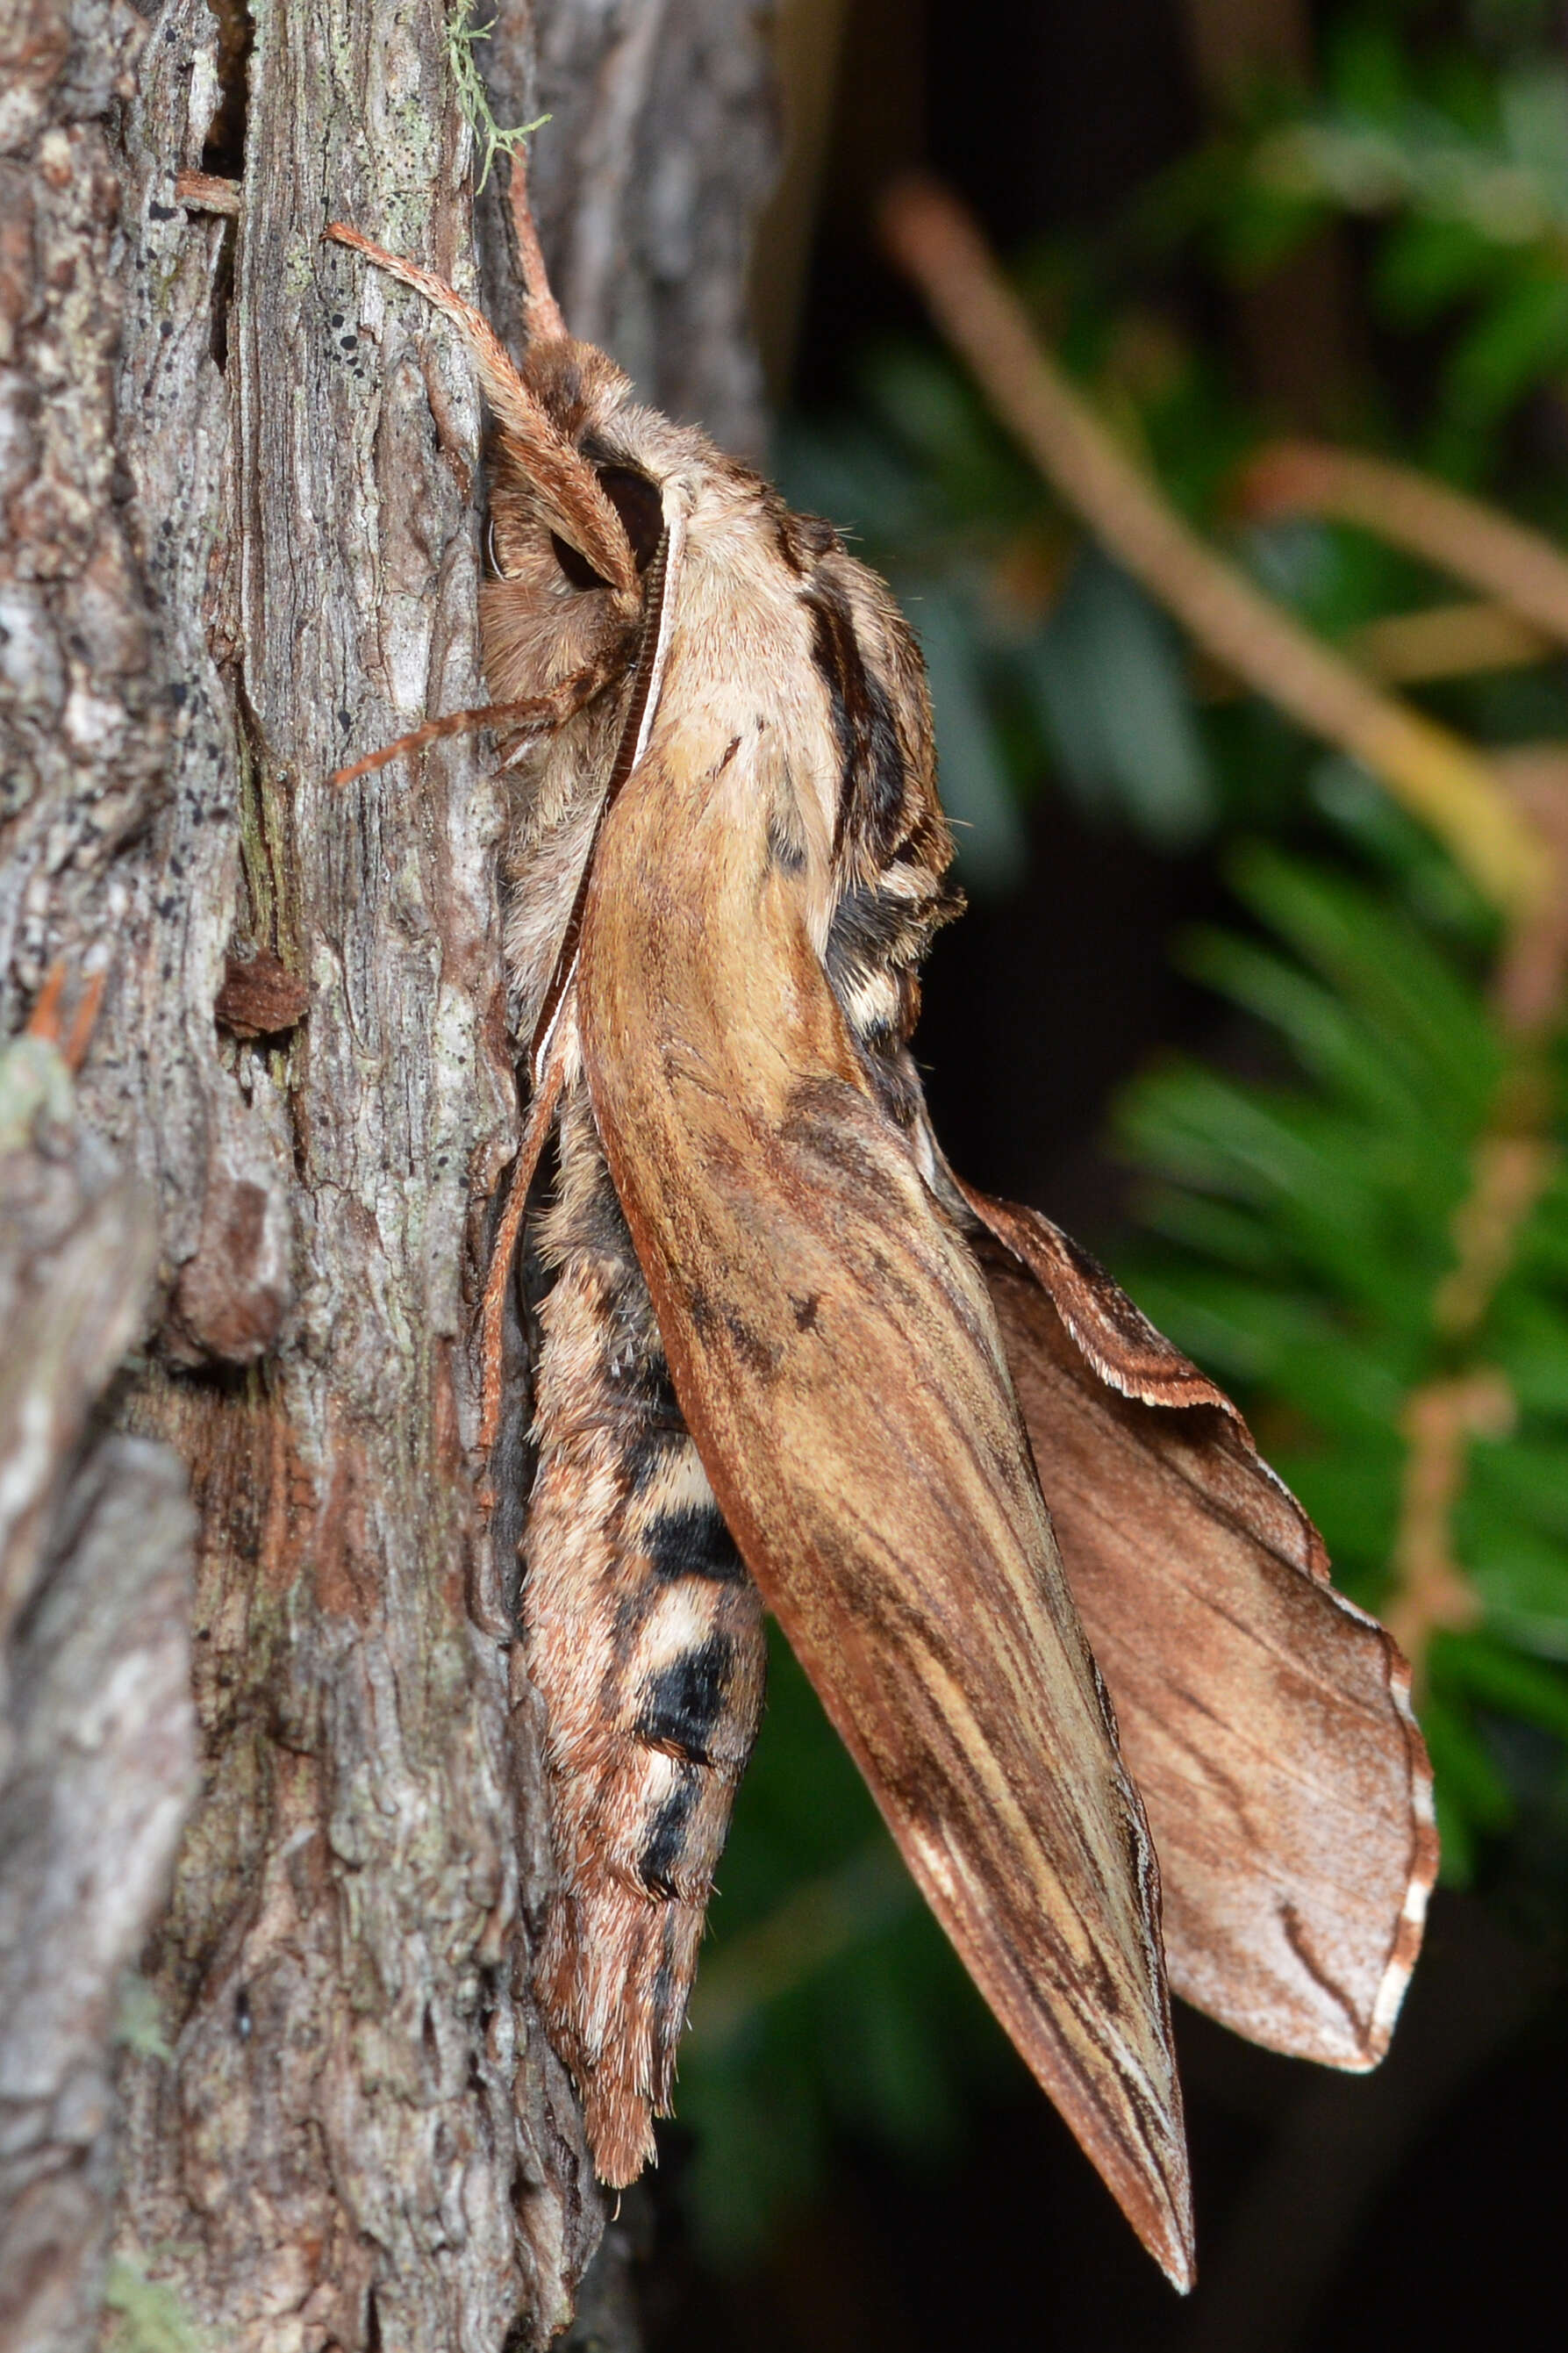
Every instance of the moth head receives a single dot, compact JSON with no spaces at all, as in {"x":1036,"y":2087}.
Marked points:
{"x":546,"y":607}
{"x":563,"y":490}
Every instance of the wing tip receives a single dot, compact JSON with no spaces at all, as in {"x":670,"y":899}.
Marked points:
{"x":1370,"y":2047}
{"x":1167,"y":2232}
{"x":1425,"y":1855}
{"x":1142,"y":2159}
{"x":1180,"y":2267}
{"x":1073,"y":1285}
{"x":1150,"y":2184}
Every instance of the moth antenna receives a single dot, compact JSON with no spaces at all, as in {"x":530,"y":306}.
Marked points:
{"x":565,"y":483}
{"x":492,"y":1313}
{"x":664,"y":576}
{"x":545,"y":323}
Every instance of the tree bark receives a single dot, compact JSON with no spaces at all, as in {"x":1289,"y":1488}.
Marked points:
{"x":241,"y":546}
{"x":97,"y":1730}
{"x":661,"y":146}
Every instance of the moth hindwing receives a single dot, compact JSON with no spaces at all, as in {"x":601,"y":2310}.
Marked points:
{"x":782,"y":1351}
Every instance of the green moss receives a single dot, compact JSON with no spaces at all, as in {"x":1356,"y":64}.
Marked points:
{"x":139,"y":2020}
{"x":473,"y":98}
{"x":149,"y":2316}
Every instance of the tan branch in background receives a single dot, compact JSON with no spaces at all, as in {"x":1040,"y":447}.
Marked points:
{"x":1462,"y":536}
{"x":1447,"y":641}
{"x":1415,"y":649}
{"x":1503,"y":818}
{"x":1514,"y":1160}
{"x":1431,"y":1590}
{"x":1510,"y":1171}
{"x":1512,"y":1164}
{"x":1510,"y":1175}
{"x":1532,"y":974}
{"x":1436,"y":776}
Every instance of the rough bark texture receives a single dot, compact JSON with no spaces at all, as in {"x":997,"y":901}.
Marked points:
{"x":97,"y":1730}
{"x":660,"y":145}
{"x":240,"y":544}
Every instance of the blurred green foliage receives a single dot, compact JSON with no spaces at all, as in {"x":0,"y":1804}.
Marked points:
{"x":1296,"y":1194}
{"x":1298,"y":1230}
{"x":1456,"y":147}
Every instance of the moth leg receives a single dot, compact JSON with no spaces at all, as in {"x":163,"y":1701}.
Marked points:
{"x":645,"y":1635}
{"x":528,"y":717}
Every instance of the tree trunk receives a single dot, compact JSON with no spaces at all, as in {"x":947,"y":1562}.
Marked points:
{"x":241,"y":547}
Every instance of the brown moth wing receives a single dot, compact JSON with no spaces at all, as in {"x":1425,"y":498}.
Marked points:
{"x":1266,"y":1719}
{"x":838,"y":1361}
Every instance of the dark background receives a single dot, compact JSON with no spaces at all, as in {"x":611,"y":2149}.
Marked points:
{"x":1042,"y":117}
{"x":1422,"y":2205}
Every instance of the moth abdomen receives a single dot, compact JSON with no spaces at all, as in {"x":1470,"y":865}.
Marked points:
{"x":665,"y":1851}
{"x":684,"y":1703}
{"x":684,"y":1542}
{"x":645,"y":1636}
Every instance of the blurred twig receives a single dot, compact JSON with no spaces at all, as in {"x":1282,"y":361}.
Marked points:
{"x":1438,"y":777}
{"x":1448,"y":641}
{"x":1430,"y":1588}
{"x":1414,"y":648}
{"x":1533,"y":971}
{"x":1505,"y":821}
{"x":1519,"y":567}
{"x":1513,"y":1161}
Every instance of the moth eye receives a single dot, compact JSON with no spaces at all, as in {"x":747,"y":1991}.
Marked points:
{"x":637,"y":502}
{"x":575,"y":565}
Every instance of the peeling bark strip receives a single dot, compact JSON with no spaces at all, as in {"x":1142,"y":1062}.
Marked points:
{"x":81,"y":720}
{"x":229,"y":550}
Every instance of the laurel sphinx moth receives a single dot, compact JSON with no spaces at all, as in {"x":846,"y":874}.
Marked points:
{"x":787,"y":1359}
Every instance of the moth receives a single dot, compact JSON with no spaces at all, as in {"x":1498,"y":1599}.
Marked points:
{"x":1079,"y":1640}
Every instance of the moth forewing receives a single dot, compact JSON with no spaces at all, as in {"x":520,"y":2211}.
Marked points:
{"x":835,"y":1358}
